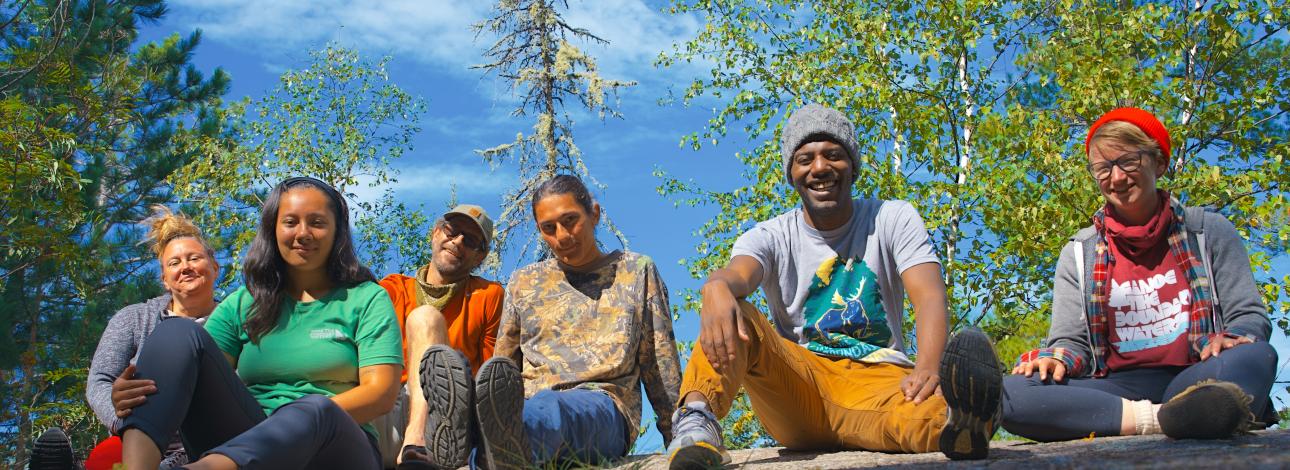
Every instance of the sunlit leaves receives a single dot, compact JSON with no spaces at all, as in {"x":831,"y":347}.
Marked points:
{"x":338,"y":119}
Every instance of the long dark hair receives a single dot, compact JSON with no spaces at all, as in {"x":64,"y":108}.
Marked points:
{"x":265,"y":272}
{"x":563,"y":184}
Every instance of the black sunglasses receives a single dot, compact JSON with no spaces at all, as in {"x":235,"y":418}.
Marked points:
{"x":469,"y":240}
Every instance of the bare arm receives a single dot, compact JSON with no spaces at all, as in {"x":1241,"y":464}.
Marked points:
{"x":377,"y":390}
{"x":926,"y":292}
{"x":720,"y":329}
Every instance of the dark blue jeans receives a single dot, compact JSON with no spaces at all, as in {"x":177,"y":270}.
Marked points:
{"x":1074,"y":408}
{"x":199,"y":393}
{"x":582,"y":426}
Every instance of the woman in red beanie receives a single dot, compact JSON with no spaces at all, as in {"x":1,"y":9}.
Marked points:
{"x":1157,"y":325}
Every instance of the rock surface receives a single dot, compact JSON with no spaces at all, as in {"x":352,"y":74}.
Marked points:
{"x":1265,"y":449}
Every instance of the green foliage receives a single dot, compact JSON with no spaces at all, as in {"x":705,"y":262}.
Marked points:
{"x":741,"y":429}
{"x":86,"y":127}
{"x":339,"y":120}
{"x":68,"y":410}
{"x":534,"y":54}
{"x":975,"y":112}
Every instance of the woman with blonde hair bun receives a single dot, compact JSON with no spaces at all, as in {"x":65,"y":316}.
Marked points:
{"x":188,"y":271}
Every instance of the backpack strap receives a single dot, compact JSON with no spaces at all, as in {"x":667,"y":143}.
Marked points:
{"x":1079,"y":264}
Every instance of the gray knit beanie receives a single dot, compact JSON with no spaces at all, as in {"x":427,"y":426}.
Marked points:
{"x":814,"y":119}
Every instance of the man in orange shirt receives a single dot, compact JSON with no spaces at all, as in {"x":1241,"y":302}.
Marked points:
{"x":449,"y":320}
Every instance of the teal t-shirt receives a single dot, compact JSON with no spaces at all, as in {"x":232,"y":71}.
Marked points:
{"x":316,"y":348}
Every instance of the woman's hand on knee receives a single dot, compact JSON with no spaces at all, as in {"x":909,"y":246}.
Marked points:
{"x":1046,"y":366}
{"x":128,"y":393}
{"x":1220,"y":342}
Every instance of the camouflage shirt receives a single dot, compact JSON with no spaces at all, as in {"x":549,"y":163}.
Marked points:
{"x":605,"y":327}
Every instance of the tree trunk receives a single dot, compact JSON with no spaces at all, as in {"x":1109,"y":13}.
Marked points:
{"x":28,"y":360}
{"x":1189,"y":104}
{"x":548,"y":94}
{"x":897,"y":147}
{"x":964,"y":165}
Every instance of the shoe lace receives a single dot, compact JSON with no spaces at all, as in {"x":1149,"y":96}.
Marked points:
{"x":696,"y":420}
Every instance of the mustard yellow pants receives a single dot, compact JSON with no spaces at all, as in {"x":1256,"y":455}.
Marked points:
{"x":806,"y":401}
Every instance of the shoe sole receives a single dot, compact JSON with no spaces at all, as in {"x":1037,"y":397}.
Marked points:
{"x":972,"y":383}
{"x":1207,"y":410}
{"x":52,"y":451}
{"x":499,"y":405}
{"x":696,"y":456}
{"x":446,"y":385}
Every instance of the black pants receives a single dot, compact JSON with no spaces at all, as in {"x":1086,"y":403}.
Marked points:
{"x":199,"y":393}
{"x":1074,"y":408}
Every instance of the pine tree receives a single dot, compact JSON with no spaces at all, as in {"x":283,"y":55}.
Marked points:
{"x":86,"y":132}
{"x":535,"y":54}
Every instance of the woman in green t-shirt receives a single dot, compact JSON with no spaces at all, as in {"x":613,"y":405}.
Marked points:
{"x":311,"y":334}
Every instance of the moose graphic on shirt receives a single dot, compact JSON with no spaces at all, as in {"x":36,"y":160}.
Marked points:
{"x":843,"y":311}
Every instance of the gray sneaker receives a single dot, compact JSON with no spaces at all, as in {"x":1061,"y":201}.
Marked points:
{"x":696,"y":441}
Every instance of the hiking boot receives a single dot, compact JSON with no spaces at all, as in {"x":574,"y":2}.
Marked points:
{"x":449,"y":394}
{"x":499,"y":405}
{"x":1210,"y":409}
{"x":52,"y":451}
{"x":696,"y":441}
{"x":972,"y":384}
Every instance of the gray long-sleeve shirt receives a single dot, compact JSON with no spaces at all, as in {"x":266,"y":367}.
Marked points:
{"x":117,"y":348}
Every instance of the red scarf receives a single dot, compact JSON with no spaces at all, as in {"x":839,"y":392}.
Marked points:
{"x":1136,"y":240}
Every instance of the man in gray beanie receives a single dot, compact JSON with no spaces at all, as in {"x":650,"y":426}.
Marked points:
{"x":830,"y":372}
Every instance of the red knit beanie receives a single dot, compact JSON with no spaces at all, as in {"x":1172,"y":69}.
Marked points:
{"x":1144,"y":120}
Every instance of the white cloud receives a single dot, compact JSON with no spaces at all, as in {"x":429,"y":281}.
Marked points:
{"x":636,"y":32}
{"x":422,"y":183}
{"x":431,"y":32}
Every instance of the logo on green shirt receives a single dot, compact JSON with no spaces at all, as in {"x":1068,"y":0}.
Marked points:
{"x":843,"y":311}
{"x":326,"y":333}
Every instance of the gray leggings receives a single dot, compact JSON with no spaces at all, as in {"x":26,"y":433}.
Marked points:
{"x":198,"y":392}
{"x":1074,"y":408}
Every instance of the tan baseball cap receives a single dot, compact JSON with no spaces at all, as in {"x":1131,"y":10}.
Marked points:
{"x":478,"y":215}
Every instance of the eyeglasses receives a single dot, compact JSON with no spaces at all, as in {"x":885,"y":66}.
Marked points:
{"x":467,"y":239}
{"x":1129,"y":162}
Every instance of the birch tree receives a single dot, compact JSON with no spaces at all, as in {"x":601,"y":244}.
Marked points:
{"x":339,"y":119}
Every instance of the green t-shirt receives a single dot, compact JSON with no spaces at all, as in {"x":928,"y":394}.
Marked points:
{"x":316,"y":348}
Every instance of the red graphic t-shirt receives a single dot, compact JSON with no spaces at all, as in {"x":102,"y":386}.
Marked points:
{"x":1149,"y":305}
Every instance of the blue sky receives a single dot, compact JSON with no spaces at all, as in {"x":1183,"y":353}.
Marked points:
{"x":432,"y":47}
